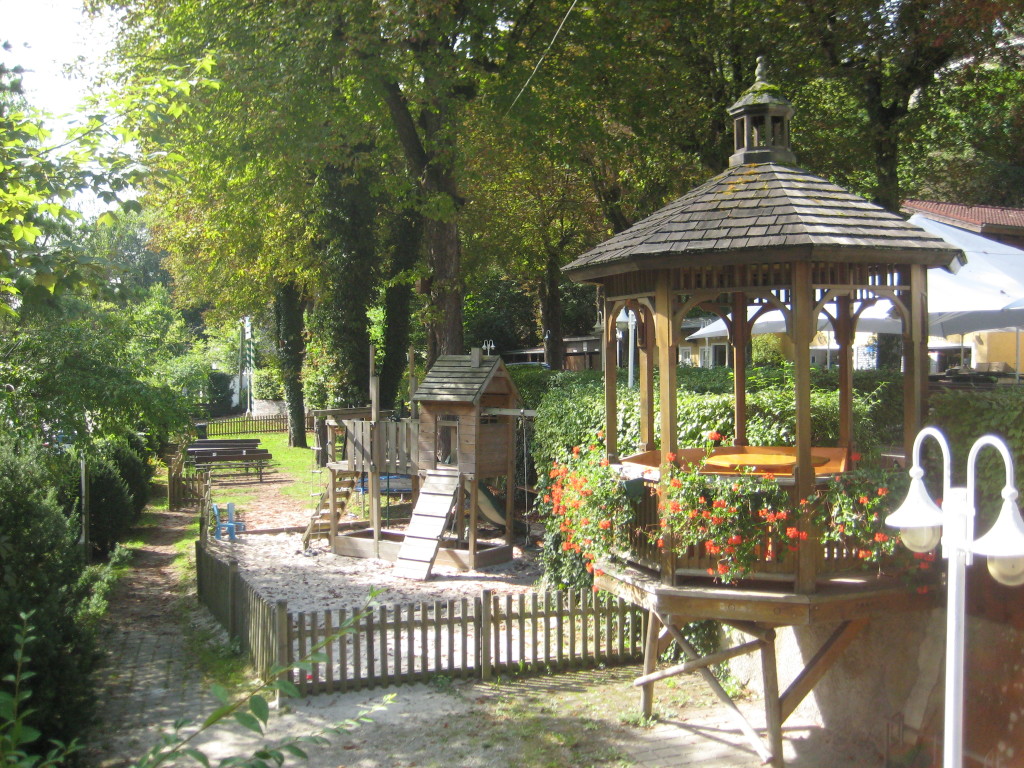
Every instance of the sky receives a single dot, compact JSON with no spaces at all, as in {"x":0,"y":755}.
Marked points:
{"x":46,"y":35}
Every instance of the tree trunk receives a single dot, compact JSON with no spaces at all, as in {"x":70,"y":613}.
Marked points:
{"x":397,"y":297}
{"x":291,"y":350}
{"x":551,"y":313}
{"x":444,"y":256}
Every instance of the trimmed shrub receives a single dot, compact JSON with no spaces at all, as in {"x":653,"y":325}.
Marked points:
{"x":569,"y":415}
{"x":964,"y":416}
{"x":220,"y":394}
{"x":135,"y":472}
{"x":111,"y":509}
{"x":40,"y":568}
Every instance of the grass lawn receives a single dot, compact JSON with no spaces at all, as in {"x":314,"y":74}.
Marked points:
{"x":293,"y":465}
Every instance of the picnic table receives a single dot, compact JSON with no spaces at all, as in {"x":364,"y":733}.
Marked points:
{"x":241,"y":455}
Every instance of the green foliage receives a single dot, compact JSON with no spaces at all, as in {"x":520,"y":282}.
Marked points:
{"x":498,"y":309}
{"x":266,"y":384}
{"x":766,"y":349}
{"x":132,"y":468}
{"x":964,"y":416}
{"x":111,"y":507}
{"x":728,"y":519}
{"x":72,"y":367}
{"x":40,"y":570}
{"x":18,"y":739}
{"x":41,"y":252}
{"x":220,"y":393}
{"x":573,"y":408}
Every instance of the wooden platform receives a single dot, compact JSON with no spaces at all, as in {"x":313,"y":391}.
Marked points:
{"x":847,"y":601}
{"x":359,"y":543}
{"x":840,"y":597}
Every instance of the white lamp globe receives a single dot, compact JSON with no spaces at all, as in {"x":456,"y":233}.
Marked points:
{"x":923,"y":539}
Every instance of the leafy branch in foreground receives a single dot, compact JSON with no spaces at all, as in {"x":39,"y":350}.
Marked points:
{"x":252,"y":711}
{"x":16,"y":736}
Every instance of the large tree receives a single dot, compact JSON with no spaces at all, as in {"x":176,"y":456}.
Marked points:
{"x":890,"y":54}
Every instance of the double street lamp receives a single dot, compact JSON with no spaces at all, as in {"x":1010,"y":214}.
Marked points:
{"x":923,"y":525}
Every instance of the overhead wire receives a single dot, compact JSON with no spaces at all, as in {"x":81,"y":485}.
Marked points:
{"x":541,"y":59}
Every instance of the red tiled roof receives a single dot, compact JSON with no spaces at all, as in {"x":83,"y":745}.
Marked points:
{"x":979,"y":215}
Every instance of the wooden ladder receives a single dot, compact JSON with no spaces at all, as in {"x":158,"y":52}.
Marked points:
{"x":439,"y":495}
{"x":320,"y":517}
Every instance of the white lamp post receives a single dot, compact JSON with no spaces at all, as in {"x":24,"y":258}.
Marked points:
{"x":923,"y":525}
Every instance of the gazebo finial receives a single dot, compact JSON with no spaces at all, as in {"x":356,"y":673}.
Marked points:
{"x":761,"y":71}
{"x":761,"y":118}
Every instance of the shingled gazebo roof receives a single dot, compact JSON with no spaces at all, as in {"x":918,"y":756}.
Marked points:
{"x":763,"y":213}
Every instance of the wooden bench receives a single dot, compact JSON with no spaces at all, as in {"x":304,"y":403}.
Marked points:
{"x":232,"y":458}
{"x":226,"y":443}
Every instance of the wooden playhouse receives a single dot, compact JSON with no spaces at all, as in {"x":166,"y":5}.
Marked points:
{"x":468,"y":405}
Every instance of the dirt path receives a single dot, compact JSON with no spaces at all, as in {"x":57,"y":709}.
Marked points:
{"x":147,"y":679}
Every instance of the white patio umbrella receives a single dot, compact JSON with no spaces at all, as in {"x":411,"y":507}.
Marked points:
{"x":987,"y":293}
{"x":874,"y":319}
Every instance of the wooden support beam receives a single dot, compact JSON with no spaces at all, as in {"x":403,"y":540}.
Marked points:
{"x":474,"y":502}
{"x":915,"y":355}
{"x":819,"y":665}
{"x":694,"y":664}
{"x":666,"y":336}
{"x":750,"y":628}
{"x":772,"y":705}
{"x":804,"y":327}
{"x":742,"y":723}
{"x":844,"y":336}
{"x":650,"y":659}
{"x":740,"y":337}
{"x":646,"y":381}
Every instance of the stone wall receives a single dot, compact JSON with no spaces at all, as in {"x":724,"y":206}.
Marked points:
{"x":269,"y":408}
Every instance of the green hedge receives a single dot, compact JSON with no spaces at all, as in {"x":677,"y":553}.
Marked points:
{"x":964,"y":416}
{"x":41,"y":571}
{"x":571,"y":414}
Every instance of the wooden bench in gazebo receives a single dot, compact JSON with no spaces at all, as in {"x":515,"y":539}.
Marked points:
{"x":765,"y":234}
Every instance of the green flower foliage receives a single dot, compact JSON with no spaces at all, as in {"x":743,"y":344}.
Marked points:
{"x":587,"y":505}
{"x":852,"y":512}
{"x":738,"y":520}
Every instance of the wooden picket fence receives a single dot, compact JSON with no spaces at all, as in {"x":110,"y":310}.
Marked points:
{"x":185,"y":486}
{"x":414,"y":642}
{"x":251,"y":425}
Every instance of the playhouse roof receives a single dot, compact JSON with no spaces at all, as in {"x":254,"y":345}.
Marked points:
{"x":454,"y":378}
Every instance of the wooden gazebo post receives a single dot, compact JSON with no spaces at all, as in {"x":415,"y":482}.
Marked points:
{"x":668,"y":357}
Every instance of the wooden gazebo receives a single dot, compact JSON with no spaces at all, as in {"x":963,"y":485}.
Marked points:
{"x":768,"y":235}
{"x":765,"y":234}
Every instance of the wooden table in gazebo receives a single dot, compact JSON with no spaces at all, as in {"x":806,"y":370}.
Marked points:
{"x":768,"y":235}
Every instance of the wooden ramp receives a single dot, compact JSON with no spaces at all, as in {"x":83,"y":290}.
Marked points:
{"x":439,"y":494}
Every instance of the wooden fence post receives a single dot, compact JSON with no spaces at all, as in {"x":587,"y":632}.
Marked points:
{"x":232,"y":591}
{"x":281,"y":646}
{"x":484,"y":635}
{"x":199,"y":570}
